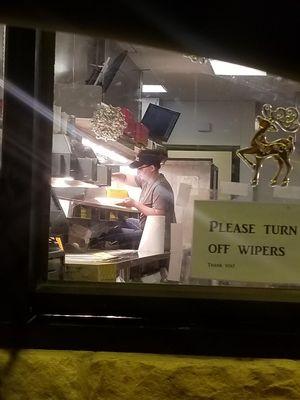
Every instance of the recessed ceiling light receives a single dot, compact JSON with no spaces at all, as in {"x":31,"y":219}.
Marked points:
{"x":225,"y":68}
{"x":154,"y":89}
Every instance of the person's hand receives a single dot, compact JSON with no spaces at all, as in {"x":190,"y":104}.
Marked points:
{"x":118,"y":177}
{"x":127,"y":203}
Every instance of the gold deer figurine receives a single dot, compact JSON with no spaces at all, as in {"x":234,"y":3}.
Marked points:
{"x":286,"y":119}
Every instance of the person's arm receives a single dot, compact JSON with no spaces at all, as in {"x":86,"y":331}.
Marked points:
{"x":124,"y":179}
{"x":142,"y":208}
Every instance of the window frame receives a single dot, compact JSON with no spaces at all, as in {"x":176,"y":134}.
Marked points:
{"x":26,"y":164}
{"x":136,"y":317}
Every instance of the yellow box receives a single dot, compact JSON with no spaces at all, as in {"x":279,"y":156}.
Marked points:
{"x":117,"y":193}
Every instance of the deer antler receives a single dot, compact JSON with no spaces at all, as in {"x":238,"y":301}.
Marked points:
{"x":286,"y":119}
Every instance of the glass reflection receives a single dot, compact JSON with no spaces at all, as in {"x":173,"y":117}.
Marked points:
{"x":114,"y":99}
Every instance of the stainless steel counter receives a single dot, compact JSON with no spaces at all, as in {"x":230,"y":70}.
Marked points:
{"x":104,"y":203}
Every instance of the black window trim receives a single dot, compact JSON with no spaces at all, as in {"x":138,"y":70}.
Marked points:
{"x":210,"y":320}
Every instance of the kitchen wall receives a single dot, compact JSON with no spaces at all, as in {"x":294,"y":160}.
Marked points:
{"x":232,"y":124}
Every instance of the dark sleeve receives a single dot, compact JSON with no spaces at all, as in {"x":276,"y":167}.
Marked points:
{"x":162,"y":198}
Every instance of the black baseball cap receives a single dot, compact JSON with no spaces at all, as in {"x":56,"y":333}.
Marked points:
{"x":148,"y":157}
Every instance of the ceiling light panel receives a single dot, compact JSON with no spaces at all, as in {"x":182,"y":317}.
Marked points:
{"x":154,"y":89}
{"x":225,"y":68}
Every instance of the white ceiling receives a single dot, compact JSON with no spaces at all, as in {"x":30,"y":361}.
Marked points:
{"x":189,"y":81}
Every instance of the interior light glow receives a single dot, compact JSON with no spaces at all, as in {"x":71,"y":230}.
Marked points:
{"x":225,"y":68}
{"x":103,"y":151}
{"x":154,"y":89}
{"x":125,"y":169}
{"x":65,"y":205}
{"x":59,"y":182}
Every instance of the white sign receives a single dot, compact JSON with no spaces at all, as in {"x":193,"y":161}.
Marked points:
{"x":248,"y":242}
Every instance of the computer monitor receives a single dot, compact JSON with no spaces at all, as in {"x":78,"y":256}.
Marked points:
{"x":160,"y":121}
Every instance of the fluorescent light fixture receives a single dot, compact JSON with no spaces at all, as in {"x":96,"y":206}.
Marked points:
{"x":225,"y":68}
{"x":154,"y":89}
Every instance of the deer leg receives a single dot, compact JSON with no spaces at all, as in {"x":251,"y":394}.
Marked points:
{"x":249,"y":150}
{"x":258,"y":166}
{"x":289,"y":167}
{"x":280,"y":161}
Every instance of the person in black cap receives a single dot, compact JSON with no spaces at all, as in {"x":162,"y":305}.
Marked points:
{"x":156,"y":197}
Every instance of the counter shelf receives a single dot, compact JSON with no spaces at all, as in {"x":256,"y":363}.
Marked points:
{"x":108,"y":265}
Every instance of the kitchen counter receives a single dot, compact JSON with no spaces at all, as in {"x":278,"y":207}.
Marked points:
{"x":107,"y":265}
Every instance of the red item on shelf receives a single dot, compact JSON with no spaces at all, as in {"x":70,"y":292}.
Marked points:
{"x":141,"y":134}
{"x":129,"y":118}
{"x":136,"y":130}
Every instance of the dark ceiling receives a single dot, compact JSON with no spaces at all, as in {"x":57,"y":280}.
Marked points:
{"x":196,"y":81}
{"x":256,"y":33}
